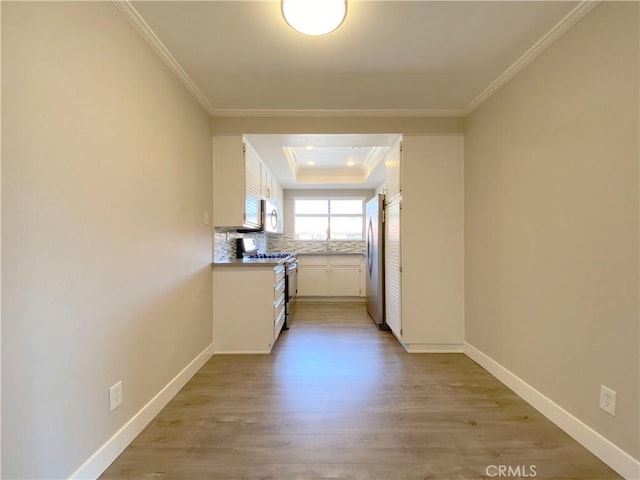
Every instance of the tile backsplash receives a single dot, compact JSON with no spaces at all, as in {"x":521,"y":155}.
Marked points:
{"x":224,"y":244}
{"x":286,"y":243}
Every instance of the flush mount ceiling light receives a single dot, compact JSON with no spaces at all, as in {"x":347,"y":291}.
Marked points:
{"x":314,"y":17}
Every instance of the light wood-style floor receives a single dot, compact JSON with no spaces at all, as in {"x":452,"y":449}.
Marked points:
{"x":338,"y":399}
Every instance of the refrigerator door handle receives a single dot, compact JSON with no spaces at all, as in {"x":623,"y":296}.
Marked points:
{"x":369,"y":243}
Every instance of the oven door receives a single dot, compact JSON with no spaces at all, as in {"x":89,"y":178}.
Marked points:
{"x":292,"y":289}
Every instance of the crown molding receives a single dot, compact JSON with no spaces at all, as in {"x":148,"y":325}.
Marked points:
{"x":374,"y":158}
{"x":143,"y":28}
{"x":233,"y":112}
{"x":562,"y":27}
{"x":290,"y":154}
{"x":145,"y":31}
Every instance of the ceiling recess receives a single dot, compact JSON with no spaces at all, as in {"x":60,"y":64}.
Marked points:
{"x":333,"y":164}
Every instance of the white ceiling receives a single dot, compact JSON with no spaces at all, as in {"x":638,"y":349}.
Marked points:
{"x":414,"y":56}
{"x":389,"y":57}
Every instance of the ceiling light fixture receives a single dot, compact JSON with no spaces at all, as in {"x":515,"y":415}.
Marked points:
{"x":309,"y":147}
{"x":314,"y":17}
{"x":351,"y":163}
{"x":311,"y":162}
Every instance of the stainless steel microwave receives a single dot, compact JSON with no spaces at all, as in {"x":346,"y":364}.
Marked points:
{"x":270,"y":217}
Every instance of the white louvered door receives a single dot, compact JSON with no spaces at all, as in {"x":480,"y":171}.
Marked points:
{"x":392,"y":232}
{"x":392,"y":173}
{"x":253,"y":187}
{"x":393,"y":263}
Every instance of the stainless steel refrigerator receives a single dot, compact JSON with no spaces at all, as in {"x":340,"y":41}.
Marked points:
{"x":375,"y":260}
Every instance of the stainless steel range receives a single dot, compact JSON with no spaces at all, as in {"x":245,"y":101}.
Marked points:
{"x":291,"y":289}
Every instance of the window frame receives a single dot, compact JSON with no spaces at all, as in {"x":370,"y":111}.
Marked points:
{"x":328,"y":215}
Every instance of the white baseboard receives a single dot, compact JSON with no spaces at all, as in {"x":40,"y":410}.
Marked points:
{"x":331,"y":299}
{"x":604,"y":449}
{"x":433,"y":347}
{"x":107,"y":453}
{"x":242,"y":352}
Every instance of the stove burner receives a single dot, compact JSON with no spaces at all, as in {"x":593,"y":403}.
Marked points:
{"x":272,"y":255}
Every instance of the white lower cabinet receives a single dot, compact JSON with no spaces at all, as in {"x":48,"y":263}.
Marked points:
{"x":313,"y":280}
{"x":330,"y":276}
{"x":278,"y":301}
{"x":344,"y":281}
{"x":248,"y":308}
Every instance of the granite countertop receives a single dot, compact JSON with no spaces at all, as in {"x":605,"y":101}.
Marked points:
{"x":250,"y":262}
{"x":271,"y":262}
{"x":330,"y":253}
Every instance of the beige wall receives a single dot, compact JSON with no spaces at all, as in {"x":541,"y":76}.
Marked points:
{"x":432,"y":242}
{"x":290,"y":194}
{"x":407,"y":125}
{"x":106,"y":163}
{"x":551,"y":222}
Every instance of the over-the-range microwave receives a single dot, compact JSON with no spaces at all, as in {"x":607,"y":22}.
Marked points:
{"x":270,"y":217}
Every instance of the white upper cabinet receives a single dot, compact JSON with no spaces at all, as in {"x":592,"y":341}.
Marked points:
{"x":229,"y":184}
{"x":268,"y":187}
{"x":266,"y":183}
{"x":253,"y":185}
{"x":241,"y":180}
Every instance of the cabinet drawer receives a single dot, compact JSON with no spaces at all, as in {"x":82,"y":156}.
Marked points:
{"x":345,"y":260}
{"x":313,"y":260}
{"x":278,"y":313}
{"x":278,"y":300}
{"x":279,"y":279}
{"x":278,"y":323}
{"x":278,"y":290}
{"x":279,"y":272}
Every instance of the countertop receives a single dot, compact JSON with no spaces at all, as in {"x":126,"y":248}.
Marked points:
{"x":253,"y":262}
{"x":272,"y":262}
{"x":329,"y":253}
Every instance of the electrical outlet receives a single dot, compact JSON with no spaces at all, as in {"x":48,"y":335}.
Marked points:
{"x":608,"y":400}
{"x":115,"y":396}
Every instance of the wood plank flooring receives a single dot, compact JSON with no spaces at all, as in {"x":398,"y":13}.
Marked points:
{"x":338,"y":399}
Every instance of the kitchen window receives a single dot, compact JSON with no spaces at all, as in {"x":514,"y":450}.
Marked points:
{"x":328,"y":218}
